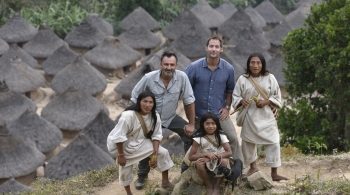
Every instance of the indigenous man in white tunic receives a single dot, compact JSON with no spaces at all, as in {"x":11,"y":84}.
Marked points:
{"x":133,"y":144}
{"x":259,"y":126}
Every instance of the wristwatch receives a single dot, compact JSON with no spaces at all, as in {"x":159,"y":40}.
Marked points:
{"x":228,"y":107}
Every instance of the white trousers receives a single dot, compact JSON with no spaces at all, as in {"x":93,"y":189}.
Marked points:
{"x":273,"y":153}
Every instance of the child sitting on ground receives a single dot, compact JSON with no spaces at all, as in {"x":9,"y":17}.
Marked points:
{"x":215,"y":150}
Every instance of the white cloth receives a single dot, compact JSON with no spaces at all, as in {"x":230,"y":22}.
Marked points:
{"x":212,"y":165}
{"x":259,"y":126}
{"x":273,"y":153}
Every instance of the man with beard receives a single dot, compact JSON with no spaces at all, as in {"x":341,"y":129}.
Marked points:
{"x":213,"y":80}
{"x":168,"y":85}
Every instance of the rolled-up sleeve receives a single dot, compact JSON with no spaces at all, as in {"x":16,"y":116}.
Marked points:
{"x":275,"y":95}
{"x":157,"y":134}
{"x":118,"y":134}
{"x":187,"y":96}
{"x":237,"y":93}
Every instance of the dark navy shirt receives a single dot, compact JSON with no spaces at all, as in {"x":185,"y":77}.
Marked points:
{"x":210,"y":87}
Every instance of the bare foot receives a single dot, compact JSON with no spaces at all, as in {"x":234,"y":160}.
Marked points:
{"x":251,"y":171}
{"x":168,"y":185}
{"x":278,"y":178}
{"x":209,"y":190}
{"x":216,"y":191}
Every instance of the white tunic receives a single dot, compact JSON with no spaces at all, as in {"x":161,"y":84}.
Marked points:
{"x":259,"y":126}
{"x":129,"y":130}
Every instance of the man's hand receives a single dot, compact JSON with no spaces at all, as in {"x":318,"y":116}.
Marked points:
{"x":224,"y":114}
{"x":121,"y":160}
{"x":262,"y":103}
{"x":189,"y":130}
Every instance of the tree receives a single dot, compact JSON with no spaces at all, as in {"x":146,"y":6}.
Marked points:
{"x":123,"y":8}
{"x":318,"y":74}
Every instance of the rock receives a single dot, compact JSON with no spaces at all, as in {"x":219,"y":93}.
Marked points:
{"x":260,"y":181}
{"x":162,"y":191}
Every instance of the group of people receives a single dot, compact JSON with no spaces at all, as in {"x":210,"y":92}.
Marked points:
{"x":208,"y":90}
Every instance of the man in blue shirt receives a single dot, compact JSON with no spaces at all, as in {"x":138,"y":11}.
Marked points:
{"x":213,"y":80}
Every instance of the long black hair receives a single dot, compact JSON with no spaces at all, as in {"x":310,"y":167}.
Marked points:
{"x":263,"y":63}
{"x":201,"y":131}
{"x":137,"y":106}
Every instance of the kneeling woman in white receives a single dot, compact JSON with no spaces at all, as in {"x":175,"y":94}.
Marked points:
{"x":134,"y":145}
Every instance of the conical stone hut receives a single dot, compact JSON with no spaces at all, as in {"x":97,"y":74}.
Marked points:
{"x":297,"y":17}
{"x":275,"y":66}
{"x":234,"y":25}
{"x":3,"y":47}
{"x":270,"y":13}
{"x":98,"y":129}
{"x":140,"y":39}
{"x":71,"y":111}
{"x":43,"y":44}
{"x":191,"y":43}
{"x":18,"y":159}
{"x":257,"y":20}
{"x":80,"y":156}
{"x":12,"y":104}
{"x":82,"y":75}
{"x":250,"y":33}
{"x":13,"y":187}
{"x":182,"y":23}
{"x":84,"y":37}
{"x":21,"y":78}
{"x":209,"y":16}
{"x":309,"y":2}
{"x":30,"y":127}
{"x":59,"y":59}
{"x":227,"y":9}
{"x":239,"y":70}
{"x":96,"y":21}
{"x":15,"y":50}
{"x":141,"y":16}
{"x":125,"y":87}
{"x":17,"y":30}
{"x":276,"y":35}
{"x":113,"y":57}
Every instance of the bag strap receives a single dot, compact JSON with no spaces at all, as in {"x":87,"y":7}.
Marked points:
{"x":211,"y":141}
{"x":202,"y":148}
{"x":143,"y":124}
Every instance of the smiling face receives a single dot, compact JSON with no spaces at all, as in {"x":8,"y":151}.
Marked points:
{"x":146,"y":105}
{"x":168,"y":66}
{"x":209,"y":126}
{"x":255,"y":66}
{"x":213,"y":48}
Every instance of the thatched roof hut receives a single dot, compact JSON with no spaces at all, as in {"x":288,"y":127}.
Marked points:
{"x":20,"y":77}
{"x":15,"y":50}
{"x":191,"y":43}
{"x":270,"y":13}
{"x":30,"y":127}
{"x":13,"y":187}
{"x":72,"y":110}
{"x":59,"y":59}
{"x":309,"y":2}
{"x":249,"y":33}
{"x":239,"y":70}
{"x":297,"y":17}
{"x":235,"y":24}
{"x":43,"y":44}
{"x":152,"y":62}
{"x":84,"y":36}
{"x":17,"y":158}
{"x":275,"y":66}
{"x":98,"y":129}
{"x":141,"y":16}
{"x":227,"y":9}
{"x":139,"y":38}
{"x":80,"y":74}
{"x":276,"y":35}
{"x":257,"y":20}
{"x":209,"y":16}
{"x":99,"y":23}
{"x":3,"y":46}
{"x":12,"y":104}
{"x":17,"y":30}
{"x":182,"y":23}
{"x":80,"y":156}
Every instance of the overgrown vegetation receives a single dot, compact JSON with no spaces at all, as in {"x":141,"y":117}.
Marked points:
{"x":317,"y":116}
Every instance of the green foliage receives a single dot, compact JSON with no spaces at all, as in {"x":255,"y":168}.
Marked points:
{"x":318,"y":75}
{"x":124,"y":8}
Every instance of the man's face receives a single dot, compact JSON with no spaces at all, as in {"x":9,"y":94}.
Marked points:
{"x":213,"y":49}
{"x":168,"y":66}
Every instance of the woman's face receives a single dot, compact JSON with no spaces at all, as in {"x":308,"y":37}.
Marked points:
{"x":255,"y":66}
{"x":146,"y":105}
{"x":209,"y":126}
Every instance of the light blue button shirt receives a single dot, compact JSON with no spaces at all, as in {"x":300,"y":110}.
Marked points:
{"x":167,"y":99}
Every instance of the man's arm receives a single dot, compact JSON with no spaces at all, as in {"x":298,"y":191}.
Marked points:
{"x":224,"y":112}
{"x":190,"y":114}
{"x":139,"y":87}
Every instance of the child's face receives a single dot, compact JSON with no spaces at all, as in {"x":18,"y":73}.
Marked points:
{"x":209,"y":126}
